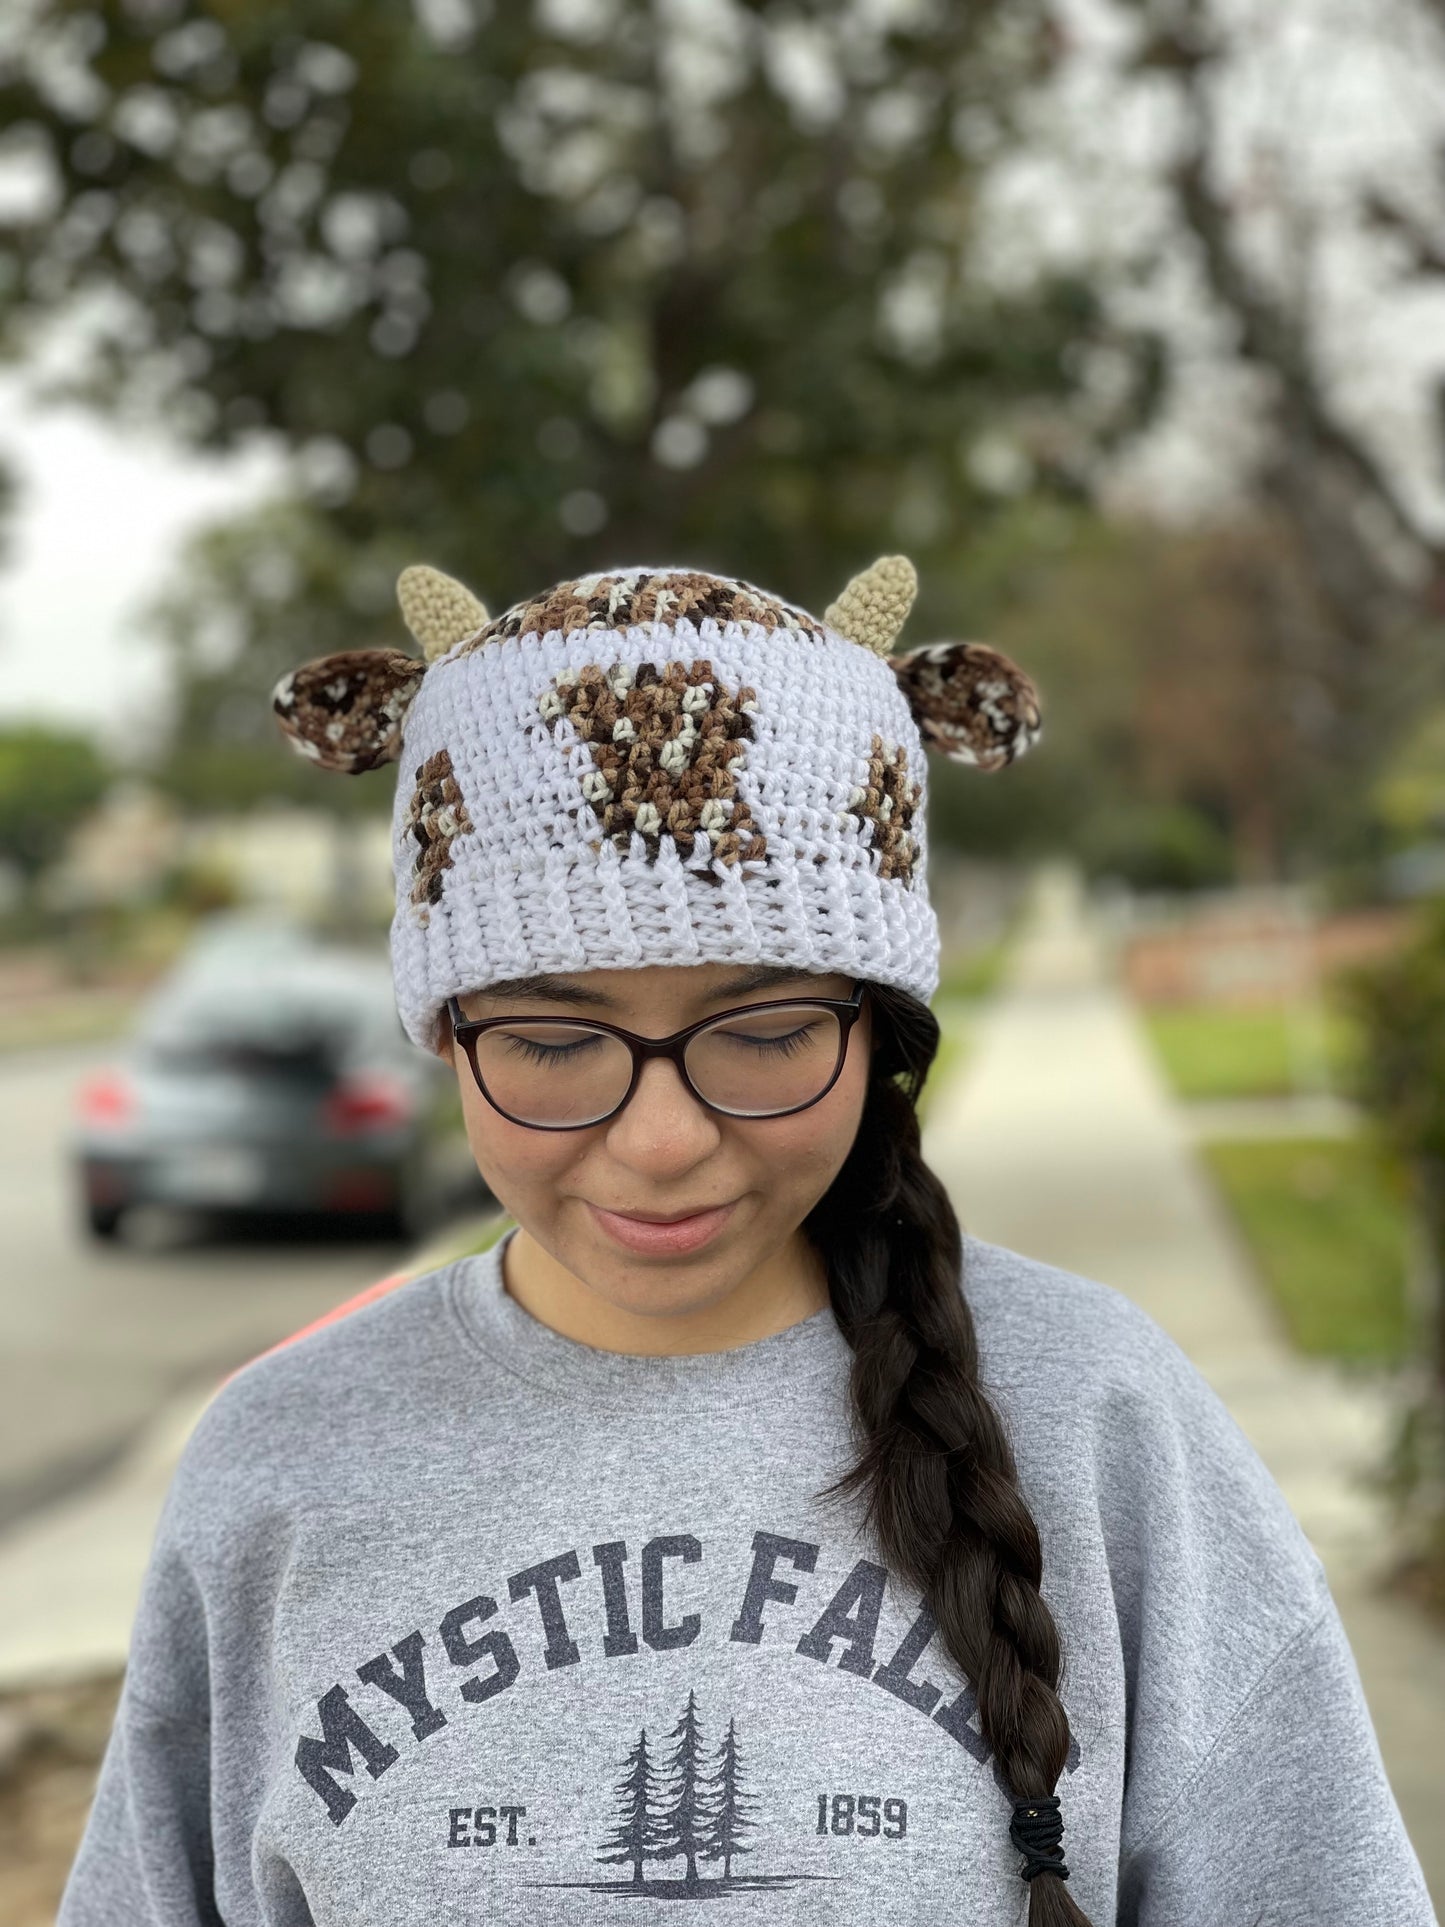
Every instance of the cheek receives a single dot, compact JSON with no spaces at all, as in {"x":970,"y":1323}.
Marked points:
{"x":514,"y":1161}
{"x":803,"y":1154}
{"x":844,"y":1104}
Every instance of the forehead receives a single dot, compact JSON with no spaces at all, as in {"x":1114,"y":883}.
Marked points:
{"x":671,"y":987}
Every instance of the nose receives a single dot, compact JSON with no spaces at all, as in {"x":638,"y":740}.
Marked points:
{"x":663,"y":1131}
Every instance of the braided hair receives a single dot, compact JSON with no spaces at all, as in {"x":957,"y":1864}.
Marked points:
{"x":936,"y":1472}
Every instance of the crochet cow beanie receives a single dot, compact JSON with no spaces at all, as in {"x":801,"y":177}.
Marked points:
{"x":657,"y":766}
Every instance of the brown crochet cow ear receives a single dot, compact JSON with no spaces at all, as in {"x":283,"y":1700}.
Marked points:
{"x":345,"y":711}
{"x":971,"y":703}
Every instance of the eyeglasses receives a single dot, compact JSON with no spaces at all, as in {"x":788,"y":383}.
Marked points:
{"x":562,"y":1074}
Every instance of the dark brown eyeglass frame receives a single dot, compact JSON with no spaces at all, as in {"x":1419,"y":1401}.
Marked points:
{"x":466,"y":1030}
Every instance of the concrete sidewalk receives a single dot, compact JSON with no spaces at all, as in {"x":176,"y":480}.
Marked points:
{"x":1061,"y":1140}
{"x":70,"y":1575}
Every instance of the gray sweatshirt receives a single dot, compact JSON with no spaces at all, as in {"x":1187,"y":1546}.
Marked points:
{"x":451,"y":1619}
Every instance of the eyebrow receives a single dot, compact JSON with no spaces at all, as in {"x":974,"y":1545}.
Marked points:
{"x":566,"y":990}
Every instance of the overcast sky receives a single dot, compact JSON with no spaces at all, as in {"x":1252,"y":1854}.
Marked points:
{"x":101,"y":516}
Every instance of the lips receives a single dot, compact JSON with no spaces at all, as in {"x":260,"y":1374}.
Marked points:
{"x":648,"y":1234}
{"x":664,"y":1217}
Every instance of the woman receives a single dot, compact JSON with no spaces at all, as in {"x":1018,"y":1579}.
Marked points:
{"x":737,"y":1530}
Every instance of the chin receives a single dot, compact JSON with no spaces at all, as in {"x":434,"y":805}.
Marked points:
{"x":662,"y":1303}
{"x":660,"y":1287}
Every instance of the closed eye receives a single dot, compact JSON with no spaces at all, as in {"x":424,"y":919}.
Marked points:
{"x":775,"y":1047}
{"x":534,"y":1051}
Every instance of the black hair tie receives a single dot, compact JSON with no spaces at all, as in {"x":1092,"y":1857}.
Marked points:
{"x":1036,"y":1831}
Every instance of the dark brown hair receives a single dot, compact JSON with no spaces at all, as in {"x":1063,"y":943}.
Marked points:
{"x":936,"y":1471}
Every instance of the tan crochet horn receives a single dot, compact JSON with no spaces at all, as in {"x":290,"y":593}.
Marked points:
{"x":437,"y":608}
{"x":874,"y":606}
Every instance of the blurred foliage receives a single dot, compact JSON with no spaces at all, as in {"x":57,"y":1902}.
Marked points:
{"x":533,"y":289}
{"x":1409,"y":796}
{"x":1400,"y":1002}
{"x":199,"y":889}
{"x":1158,"y":846}
{"x":224,"y":751}
{"x":8,"y":494}
{"x":132,"y":940}
{"x":49,"y":780}
{"x":1194,"y":728}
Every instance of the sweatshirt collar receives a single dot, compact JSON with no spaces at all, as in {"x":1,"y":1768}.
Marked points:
{"x":812,"y":1350}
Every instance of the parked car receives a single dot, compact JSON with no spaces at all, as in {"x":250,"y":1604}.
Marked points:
{"x":274,"y":1077}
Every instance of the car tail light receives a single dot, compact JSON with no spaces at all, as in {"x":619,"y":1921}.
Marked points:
{"x":362,"y":1104}
{"x":107,"y":1098}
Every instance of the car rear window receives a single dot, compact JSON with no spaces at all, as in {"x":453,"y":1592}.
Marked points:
{"x":295,"y":1024}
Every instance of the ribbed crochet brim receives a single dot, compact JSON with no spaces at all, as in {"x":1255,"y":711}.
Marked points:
{"x":498,"y":920}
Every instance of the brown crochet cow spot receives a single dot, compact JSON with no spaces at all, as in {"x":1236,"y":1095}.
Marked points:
{"x":437,"y":816}
{"x":887,"y":800}
{"x":641,"y":595}
{"x":667,"y":744}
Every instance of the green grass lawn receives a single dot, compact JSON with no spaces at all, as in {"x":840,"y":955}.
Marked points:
{"x":1327,"y":1220}
{"x":1209,"y":1050}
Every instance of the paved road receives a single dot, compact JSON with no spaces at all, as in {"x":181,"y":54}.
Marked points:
{"x":93,"y":1338}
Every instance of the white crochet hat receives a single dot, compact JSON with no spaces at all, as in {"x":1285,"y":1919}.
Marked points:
{"x":657,"y":766}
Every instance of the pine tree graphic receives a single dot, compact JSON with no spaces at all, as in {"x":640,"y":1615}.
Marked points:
{"x":683,"y":1820}
{"x":730,"y":1808}
{"x":631,"y":1838}
{"x":686,"y":1808}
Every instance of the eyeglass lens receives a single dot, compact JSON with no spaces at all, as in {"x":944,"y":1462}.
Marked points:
{"x":756,"y":1064}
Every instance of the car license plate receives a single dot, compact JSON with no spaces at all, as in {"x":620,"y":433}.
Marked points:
{"x":212,"y":1173}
